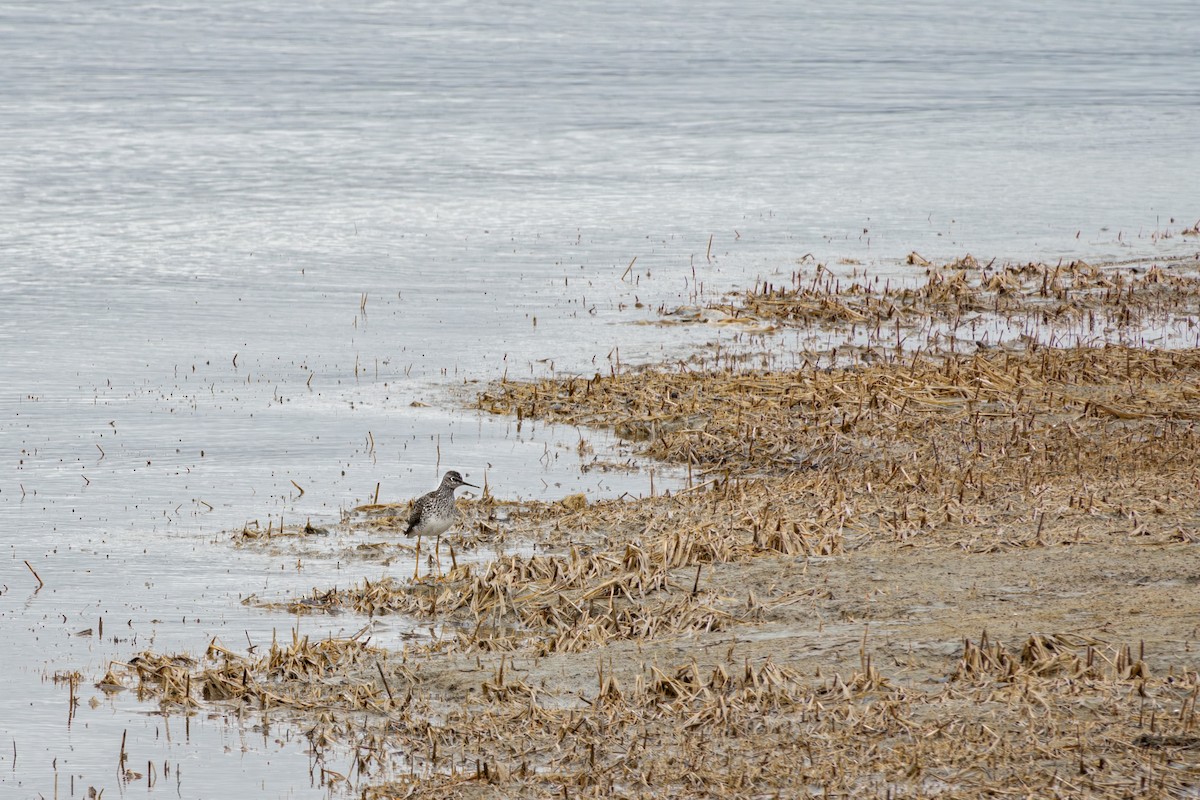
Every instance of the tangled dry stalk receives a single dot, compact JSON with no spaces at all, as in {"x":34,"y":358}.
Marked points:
{"x":939,"y":574}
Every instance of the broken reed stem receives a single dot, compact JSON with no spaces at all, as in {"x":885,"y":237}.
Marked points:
{"x":41,"y":583}
{"x":628,"y":269}
{"x":387,"y":688}
{"x":71,"y":701}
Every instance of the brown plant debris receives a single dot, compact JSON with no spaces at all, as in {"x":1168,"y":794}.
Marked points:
{"x":1053,"y":717}
{"x":1091,"y":303}
{"x":948,"y":575}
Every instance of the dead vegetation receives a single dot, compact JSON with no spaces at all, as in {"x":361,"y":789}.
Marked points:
{"x":1067,"y":441}
{"x":947,"y":574}
{"x":1048,"y":295}
{"x":966,"y":304}
{"x":1056,"y":716}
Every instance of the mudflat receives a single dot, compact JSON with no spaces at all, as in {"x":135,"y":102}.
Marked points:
{"x":930,"y":562}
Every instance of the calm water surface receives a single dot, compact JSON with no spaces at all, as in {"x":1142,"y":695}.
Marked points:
{"x":239,"y":240}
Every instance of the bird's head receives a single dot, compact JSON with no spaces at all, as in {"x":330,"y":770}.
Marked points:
{"x":454,"y":480}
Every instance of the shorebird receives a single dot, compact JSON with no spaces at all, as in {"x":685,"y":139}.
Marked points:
{"x":433,"y":513}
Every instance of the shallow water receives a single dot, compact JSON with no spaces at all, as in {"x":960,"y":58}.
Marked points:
{"x":240,"y":240}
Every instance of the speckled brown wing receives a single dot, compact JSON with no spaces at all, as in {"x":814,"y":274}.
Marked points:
{"x":414,"y":516}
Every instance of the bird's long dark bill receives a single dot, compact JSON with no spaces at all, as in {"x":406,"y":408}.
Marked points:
{"x":473,"y":486}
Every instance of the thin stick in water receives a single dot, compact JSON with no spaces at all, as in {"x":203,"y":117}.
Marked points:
{"x":383,"y":677}
{"x":41,"y":582}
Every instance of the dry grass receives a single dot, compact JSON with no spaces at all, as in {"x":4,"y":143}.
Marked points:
{"x":1056,"y":717}
{"x":966,"y":304}
{"x":808,"y":617}
{"x":1070,"y":441}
